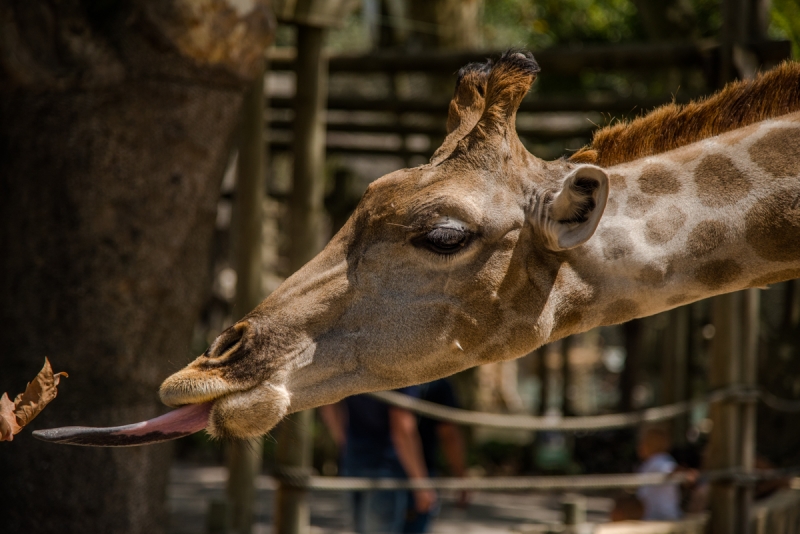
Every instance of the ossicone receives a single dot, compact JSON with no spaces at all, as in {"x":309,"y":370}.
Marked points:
{"x":465,"y":108}
{"x":509,"y":81}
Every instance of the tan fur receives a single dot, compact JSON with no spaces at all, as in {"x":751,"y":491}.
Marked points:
{"x":672,"y":126}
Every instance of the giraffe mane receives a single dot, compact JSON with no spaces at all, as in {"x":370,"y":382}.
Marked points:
{"x":671,"y":126}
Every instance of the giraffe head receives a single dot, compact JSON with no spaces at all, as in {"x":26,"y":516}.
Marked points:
{"x":440,"y":268}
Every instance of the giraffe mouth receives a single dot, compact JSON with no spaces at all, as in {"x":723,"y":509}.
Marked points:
{"x":175,"y":424}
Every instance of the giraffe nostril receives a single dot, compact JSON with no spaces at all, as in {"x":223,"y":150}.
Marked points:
{"x":226,"y":341}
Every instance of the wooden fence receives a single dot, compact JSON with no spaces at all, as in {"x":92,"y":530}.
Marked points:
{"x":386,"y":116}
{"x":778,"y":513}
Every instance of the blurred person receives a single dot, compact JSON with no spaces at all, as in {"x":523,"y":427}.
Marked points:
{"x":627,"y":506}
{"x":438,"y":435}
{"x":379,"y":441}
{"x":656,"y":503}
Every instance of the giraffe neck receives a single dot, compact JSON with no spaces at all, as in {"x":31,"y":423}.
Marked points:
{"x":716,"y":216}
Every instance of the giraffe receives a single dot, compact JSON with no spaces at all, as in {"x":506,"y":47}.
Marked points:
{"x":487,"y":252}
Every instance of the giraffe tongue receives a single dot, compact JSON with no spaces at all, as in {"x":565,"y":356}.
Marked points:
{"x":172,"y":425}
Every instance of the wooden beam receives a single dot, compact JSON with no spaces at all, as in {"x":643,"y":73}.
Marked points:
{"x":749,"y":379}
{"x":725,"y":372}
{"x":529,"y":105}
{"x":436,"y":131}
{"x":245,"y":456}
{"x":306,"y":208}
{"x":562,"y":60}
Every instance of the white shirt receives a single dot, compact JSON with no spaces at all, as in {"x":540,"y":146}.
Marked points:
{"x":661,"y":503}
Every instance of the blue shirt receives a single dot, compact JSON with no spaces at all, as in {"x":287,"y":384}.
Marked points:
{"x":661,"y":503}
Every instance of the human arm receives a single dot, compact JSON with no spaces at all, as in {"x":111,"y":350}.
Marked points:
{"x":407,"y":444}
{"x":334,"y":418}
{"x":452,"y":443}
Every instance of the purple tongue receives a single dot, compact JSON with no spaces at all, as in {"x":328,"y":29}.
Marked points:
{"x":172,"y":425}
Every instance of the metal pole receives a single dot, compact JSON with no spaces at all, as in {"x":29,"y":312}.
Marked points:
{"x":293,"y":454}
{"x":749,"y":379}
{"x":724,"y":443}
{"x":245,"y":456}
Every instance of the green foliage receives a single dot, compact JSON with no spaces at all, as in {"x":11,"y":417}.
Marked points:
{"x":543,"y":23}
{"x":786,"y":23}
{"x":550,"y":22}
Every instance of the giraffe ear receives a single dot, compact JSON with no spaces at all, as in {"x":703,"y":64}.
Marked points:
{"x":570,"y":217}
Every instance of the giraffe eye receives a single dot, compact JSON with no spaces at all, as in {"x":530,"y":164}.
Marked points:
{"x":443,"y":240}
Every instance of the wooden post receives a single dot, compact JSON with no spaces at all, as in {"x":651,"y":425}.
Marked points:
{"x":293,"y":455}
{"x":732,"y":34}
{"x":573,"y":507}
{"x":306,"y":202}
{"x":630,"y":373}
{"x":551,"y":354}
{"x":743,"y":22}
{"x":749,"y":380}
{"x":724,"y":444}
{"x":293,"y":463}
{"x":567,"y":374}
{"x":674,"y":364}
{"x":245,"y":456}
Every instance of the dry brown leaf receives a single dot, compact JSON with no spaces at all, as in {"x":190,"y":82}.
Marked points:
{"x":15,"y":415}
{"x":8,"y":421}
{"x":37,"y":395}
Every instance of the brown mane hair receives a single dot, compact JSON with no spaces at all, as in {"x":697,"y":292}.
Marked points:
{"x":769,"y":95}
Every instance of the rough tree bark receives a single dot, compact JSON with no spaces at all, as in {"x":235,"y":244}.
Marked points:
{"x":445,"y":24}
{"x":115,"y":119}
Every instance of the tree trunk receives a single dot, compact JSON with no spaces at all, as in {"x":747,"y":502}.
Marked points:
{"x":445,"y":24}
{"x":114,"y":127}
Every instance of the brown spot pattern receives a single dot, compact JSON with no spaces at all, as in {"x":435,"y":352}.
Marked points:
{"x":773,"y":226}
{"x":718,"y":273}
{"x":620,"y":311}
{"x":654,"y":275}
{"x":706,"y":237}
{"x":775,"y":277}
{"x":566,"y":323}
{"x":778,"y":152}
{"x":638,"y":205}
{"x":618,"y":182}
{"x":657,"y":179}
{"x":612,"y":206}
{"x":719,"y":182}
{"x":616,"y":243}
{"x":663,"y":226}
